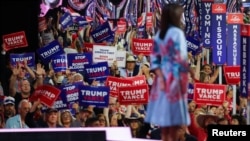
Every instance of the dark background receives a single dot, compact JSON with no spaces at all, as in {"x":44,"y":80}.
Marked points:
{"x":54,"y":136}
{"x":18,"y":15}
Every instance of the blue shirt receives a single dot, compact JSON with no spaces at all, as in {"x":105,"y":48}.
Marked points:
{"x":15,"y":122}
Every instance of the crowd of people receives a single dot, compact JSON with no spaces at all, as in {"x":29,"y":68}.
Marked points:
{"x":16,"y":111}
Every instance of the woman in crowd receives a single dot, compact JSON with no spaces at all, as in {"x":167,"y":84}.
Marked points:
{"x":66,"y":118}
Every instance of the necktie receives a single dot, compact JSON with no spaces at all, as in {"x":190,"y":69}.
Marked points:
{"x":130,"y":74}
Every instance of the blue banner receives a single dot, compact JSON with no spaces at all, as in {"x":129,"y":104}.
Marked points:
{"x":245,"y":4}
{"x":47,"y":52}
{"x":206,"y":23}
{"x":59,"y":63}
{"x":193,"y":45}
{"x":91,"y":95}
{"x":233,"y":45}
{"x":103,"y":33}
{"x":198,"y":6}
{"x":98,"y":71}
{"x":219,"y":39}
{"x":66,"y":20}
{"x":76,"y":61}
{"x":245,"y":63}
{"x":248,"y":58}
{"x":141,"y":32}
{"x":81,"y":21}
{"x":20,"y":58}
{"x":187,"y":14}
{"x":70,"y":93}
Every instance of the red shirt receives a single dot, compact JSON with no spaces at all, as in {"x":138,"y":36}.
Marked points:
{"x":197,"y":131}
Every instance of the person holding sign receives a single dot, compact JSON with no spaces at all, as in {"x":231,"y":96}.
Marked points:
{"x":50,"y":120}
{"x":132,"y":69}
{"x":167,"y":106}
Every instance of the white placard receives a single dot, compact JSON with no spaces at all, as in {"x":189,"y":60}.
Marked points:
{"x":104,"y":53}
{"x":121,"y":58}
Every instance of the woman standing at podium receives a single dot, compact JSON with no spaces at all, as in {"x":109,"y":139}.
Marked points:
{"x":168,"y":100}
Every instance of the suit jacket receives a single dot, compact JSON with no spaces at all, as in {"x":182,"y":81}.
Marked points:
{"x":123,"y":71}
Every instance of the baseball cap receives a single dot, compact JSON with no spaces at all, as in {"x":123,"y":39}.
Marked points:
{"x":50,"y":110}
{"x":84,"y":109}
{"x":9,"y":100}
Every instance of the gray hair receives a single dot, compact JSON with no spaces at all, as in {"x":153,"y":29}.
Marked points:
{"x":24,"y":101}
{"x":77,"y":74}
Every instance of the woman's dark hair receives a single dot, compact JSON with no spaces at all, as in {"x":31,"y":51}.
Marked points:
{"x":221,"y":120}
{"x":206,"y":65}
{"x":90,"y":121}
{"x":170,"y":16}
{"x":102,"y":115}
{"x":68,"y":42}
{"x":241,"y":119}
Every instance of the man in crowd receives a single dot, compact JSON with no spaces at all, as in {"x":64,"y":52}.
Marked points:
{"x":9,"y":107}
{"x":51,"y":117}
{"x":18,"y":121}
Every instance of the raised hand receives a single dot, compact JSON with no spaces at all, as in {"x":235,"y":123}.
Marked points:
{"x":95,"y":83}
{"x":40,"y":69}
{"x":140,"y":57}
{"x":145,"y":70}
{"x":25,"y":63}
{"x":16,"y":69}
